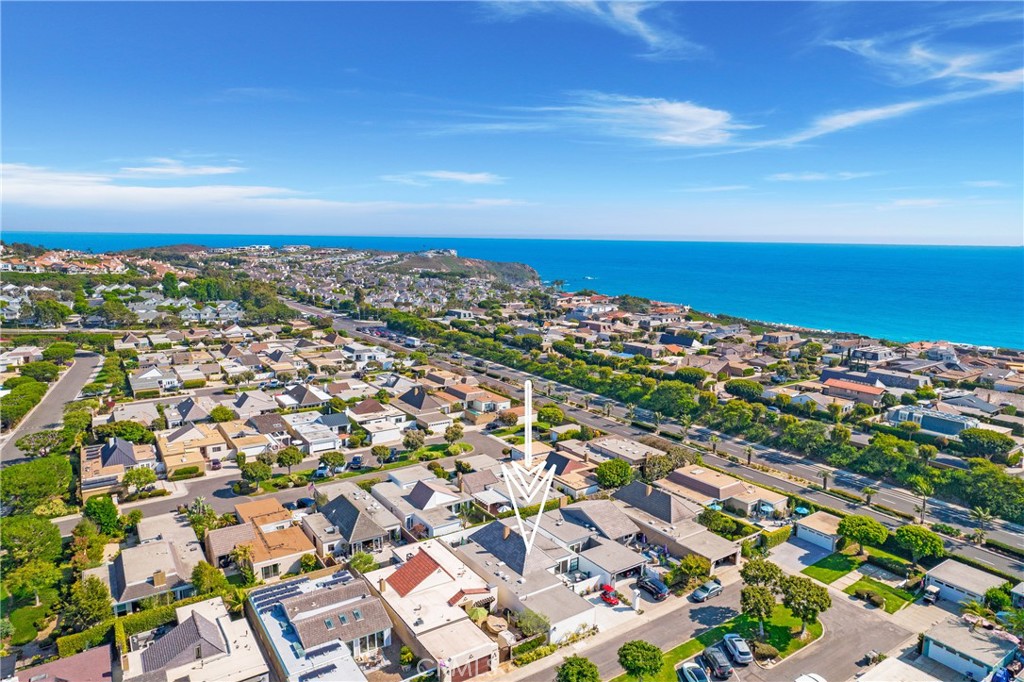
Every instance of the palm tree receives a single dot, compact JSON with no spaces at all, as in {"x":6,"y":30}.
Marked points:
{"x":242,"y":556}
{"x":714,"y":443}
{"x":630,"y":411}
{"x":924,"y":490}
{"x":973,"y":607}
{"x":977,"y":536}
{"x":750,"y":454}
{"x":1014,"y":621}
{"x":823,"y":475}
{"x":657,"y":419}
{"x":868,"y":492}
{"x":235,"y":600}
{"x":981,"y":516}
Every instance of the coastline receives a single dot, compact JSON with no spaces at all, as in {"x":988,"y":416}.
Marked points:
{"x":901,"y":293}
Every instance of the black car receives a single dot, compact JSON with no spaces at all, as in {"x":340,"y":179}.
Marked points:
{"x":356,"y":463}
{"x":304,"y":502}
{"x":290,"y":506}
{"x":654,"y":587}
{"x":715,"y":660}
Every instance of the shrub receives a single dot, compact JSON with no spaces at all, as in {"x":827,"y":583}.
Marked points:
{"x":1003,"y":547}
{"x":193,"y":383}
{"x":765,"y":651}
{"x":529,"y":645}
{"x":185,"y":473}
{"x":895,"y":512}
{"x":895,"y":566}
{"x":946,"y":529}
{"x":876,"y":599}
{"x":776,"y":537}
{"x":149,"y":393}
{"x":535,"y":655}
{"x":69,"y":645}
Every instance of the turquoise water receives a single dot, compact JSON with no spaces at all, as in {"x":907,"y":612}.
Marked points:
{"x":903,"y":293}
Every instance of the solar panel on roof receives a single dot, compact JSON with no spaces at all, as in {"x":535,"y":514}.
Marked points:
{"x":318,"y":673}
{"x":333,"y":646}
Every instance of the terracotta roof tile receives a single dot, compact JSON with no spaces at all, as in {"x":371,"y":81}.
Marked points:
{"x":412,"y":573}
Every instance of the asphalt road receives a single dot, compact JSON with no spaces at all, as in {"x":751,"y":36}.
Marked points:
{"x":49,"y":413}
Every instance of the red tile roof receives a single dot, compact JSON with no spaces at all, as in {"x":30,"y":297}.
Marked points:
{"x":412,"y":573}
{"x":854,"y":386}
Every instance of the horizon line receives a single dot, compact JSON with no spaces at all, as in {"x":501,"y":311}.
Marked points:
{"x":658,"y":239}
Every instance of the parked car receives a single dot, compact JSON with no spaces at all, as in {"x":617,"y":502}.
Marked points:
{"x":737,"y":648}
{"x":715,"y":660}
{"x":708,"y":590}
{"x":691,"y":672}
{"x":608,"y":595}
{"x":305,"y":502}
{"x":654,"y":587}
{"x":931,"y":594}
{"x":322,"y":471}
{"x":356,"y":463}
{"x":810,"y":677}
{"x":290,"y":506}
{"x":392,"y":458}
{"x":339,"y":469}
{"x":215,"y":464}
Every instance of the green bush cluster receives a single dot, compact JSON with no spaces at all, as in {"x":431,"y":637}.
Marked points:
{"x":1003,"y":547}
{"x":148,"y":393}
{"x":870,"y":596}
{"x":185,"y":473}
{"x":894,"y":566}
{"x":529,"y":645}
{"x":535,"y":655}
{"x":69,"y":645}
{"x":775,"y":538}
{"x":765,"y":651}
{"x":193,"y":383}
{"x":22,"y":398}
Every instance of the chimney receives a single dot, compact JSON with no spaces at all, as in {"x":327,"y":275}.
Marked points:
{"x":382,"y":585}
{"x":110,"y":441}
{"x":459,"y":479}
{"x":159,"y":579}
{"x":586,"y":456}
{"x":649,"y":489}
{"x":505,"y":532}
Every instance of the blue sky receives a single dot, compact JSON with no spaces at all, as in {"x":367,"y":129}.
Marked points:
{"x":830,"y":122}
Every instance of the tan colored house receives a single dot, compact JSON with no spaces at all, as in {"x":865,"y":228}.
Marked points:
{"x":706,"y":486}
{"x":204,"y":439}
{"x":103,"y":465}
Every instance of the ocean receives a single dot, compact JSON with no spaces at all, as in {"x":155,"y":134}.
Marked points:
{"x":903,"y":293}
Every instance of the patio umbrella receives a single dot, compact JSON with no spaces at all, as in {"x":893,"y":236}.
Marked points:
{"x":802,"y":510}
{"x":714,"y":506}
{"x":765,"y":507}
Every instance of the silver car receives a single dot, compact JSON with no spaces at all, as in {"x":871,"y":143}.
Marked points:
{"x":691,"y":672}
{"x":737,"y":648}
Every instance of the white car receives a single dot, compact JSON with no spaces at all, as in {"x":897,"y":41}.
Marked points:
{"x":691,"y":672}
{"x":810,"y":677}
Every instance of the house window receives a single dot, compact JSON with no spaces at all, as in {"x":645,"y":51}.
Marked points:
{"x":271,"y":571}
{"x":358,"y":615}
{"x":343,"y":619}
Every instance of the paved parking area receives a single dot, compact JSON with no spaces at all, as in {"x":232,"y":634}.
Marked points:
{"x":796,"y":555}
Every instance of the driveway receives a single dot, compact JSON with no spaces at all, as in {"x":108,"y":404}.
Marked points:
{"x":796,"y":555}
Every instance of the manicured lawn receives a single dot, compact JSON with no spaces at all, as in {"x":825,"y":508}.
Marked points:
{"x":895,"y":598}
{"x":25,"y":613}
{"x":832,"y":568}
{"x":780,"y":632}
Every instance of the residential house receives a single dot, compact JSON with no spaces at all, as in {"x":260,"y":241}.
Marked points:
{"x":974,"y":652}
{"x":932,"y":421}
{"x":301,"y":396}
{"x":429,"y":412}
{"x":352,"y":521}
{"x":707,"y":486}
{"x":277,"y":545}
{"x":319,"y":628}
{"x":311,"y":435}
{"x":630,"y":451}
{"x":852,"y":390}
{"x":206,"y":645}
{"x":426,"y":596}
{"x":191,"y":445}
{"x":430,"y":508}
{"x":384,"y":423}
{"x":958,"y":582}
{"x":145,"y":571}
{"x":154,"y":379}
{"x":92,"y":665}
{"x":102,"y":466}
{"x":819,"y":528}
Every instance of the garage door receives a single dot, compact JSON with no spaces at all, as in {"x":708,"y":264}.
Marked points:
{"x":472,"y":669}
{"x":950,"y":593}
{"x":814,"y":538}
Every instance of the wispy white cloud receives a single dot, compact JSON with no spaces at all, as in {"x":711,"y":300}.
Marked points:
{"x":426,"y":178}
{"x":660,"y":121}
{"x":174,"y":168}
{"x":986,"y":183}
{"x":631,"y":19}
{"x":812,"y":176}
{"x":36,"y":186}
{"x":717,"y":188}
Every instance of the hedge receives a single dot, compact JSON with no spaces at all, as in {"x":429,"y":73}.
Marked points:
{"x":645,"y":426}
{"x":186,"y":473}
{"x":532,"y":510}
{"x":1003,"y":547}
{"x":895,"y":566}
{"x":194,"y":383}
{"x":150,"y":393}
{"x":69,"y":645}
{"x":535,"y":655}
{"x":895,"y":512}
{"x":529,"y":645}
{"x":775,"y":538}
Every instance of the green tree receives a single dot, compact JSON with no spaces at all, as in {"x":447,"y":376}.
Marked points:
{"x":50,"y":313}
{"x":757,"y":602}
{"x":640,"y":659}
{"x":332,"y":458}
{"x":43,"y":371}
{"x":532,"y":623}
{"x":413,"y":439}
{"x":507,"y":418}
{"x":131,"y":519}
{"x":613,"y":473}
{"x":744,"y":388}
{"x":868,"y":492}
{"x":551,"y":414}
{"x":256,"y":472}
{"x":919,"y":542}
{"x":863,"y":530}
{"x":33,"y":576}
{"x":309,"y":563}
{"x":988,"y":444}
{"x":59,"y":352}
{"x":88,"y":604}
{"x":28,"y":538}
{"x":222,"y":413}
{"x":362,"y":562}
{"x":116,"y":314}
{"x":40,"y":442}
{"x":805,"y":599}
{"x":138,"y":478}
{"x":981,"y":516}
{"x":129,"y":430}
{"x":998,"y":599}
{"x":381,"y":452}
{"x":206,"y":578}
{"x":169,"y":285}
{"x":289,"y":457}
{"x":453,"y":434}
{"x":103,"y":512}
{"x":762,"y":573}
{"x":577,"y":669}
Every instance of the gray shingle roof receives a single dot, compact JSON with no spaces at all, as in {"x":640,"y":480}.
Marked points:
{"x":603,"y":515}
{"x":119,"y":451}
{"x":657,"y":503}
{"x":309,"y":615}
{"x":351,"y":522}
{"x":197,"y":635}
{"x":222,"y":540}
